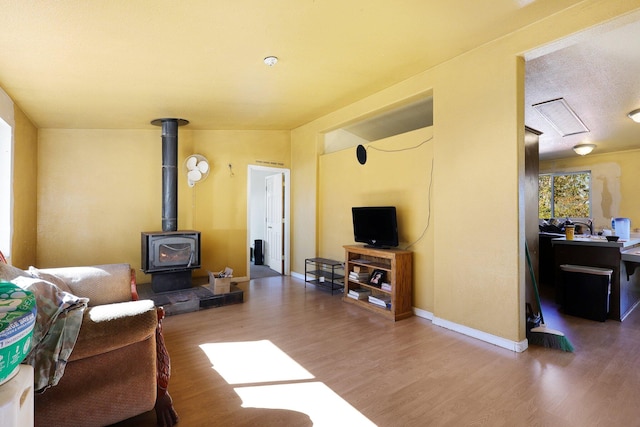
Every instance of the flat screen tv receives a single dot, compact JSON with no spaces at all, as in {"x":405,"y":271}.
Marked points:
{"x":377,"y":226}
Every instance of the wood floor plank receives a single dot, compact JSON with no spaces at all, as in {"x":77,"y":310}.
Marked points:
{"x":406,"y":373}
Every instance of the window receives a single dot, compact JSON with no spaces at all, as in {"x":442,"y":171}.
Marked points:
{"x":5,"y":188}
{"x":562,"y":195}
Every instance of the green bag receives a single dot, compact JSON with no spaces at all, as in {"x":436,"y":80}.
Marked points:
{"x":17,"y":320}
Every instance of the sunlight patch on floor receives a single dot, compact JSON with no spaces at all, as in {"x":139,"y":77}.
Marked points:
{"x":253,"y":362}
{"x":319,"y":402}
{"x":260,"y":362}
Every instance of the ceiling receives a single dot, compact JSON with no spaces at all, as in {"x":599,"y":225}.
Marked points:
{"x":119,"y":64}
{"x":416,"y":115}
{"x":597,"y":75}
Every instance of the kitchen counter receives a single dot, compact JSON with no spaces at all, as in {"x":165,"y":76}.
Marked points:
{"x":631,"y":254}
{"x":596,"y":241}
{"x":621,"y":257}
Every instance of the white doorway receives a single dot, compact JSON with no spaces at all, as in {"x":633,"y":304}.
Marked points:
{"x":268,"y":216}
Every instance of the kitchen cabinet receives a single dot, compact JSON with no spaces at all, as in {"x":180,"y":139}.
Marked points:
{"x":530,"y":185}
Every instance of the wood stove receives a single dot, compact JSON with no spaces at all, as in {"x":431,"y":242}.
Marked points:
{"x":170,"y":255}
{"x":170,"y":251}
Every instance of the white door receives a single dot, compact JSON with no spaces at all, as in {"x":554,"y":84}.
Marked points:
{"x":274,"y":215}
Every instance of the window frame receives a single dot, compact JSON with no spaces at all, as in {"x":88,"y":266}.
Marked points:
{"x":552,"y":201}
{"x":6,"y":187}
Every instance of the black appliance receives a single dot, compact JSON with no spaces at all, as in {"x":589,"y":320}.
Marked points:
{"x":258,"y":252}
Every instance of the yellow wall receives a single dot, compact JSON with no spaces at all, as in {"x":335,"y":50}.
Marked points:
{"x":25,"y":166}
{"x":98,"y":189}
{"x":478,"y":150}
{"x":614,"y":184}
{"x":387,"y":179}
{"x":477,"y":227}
{"x":305,"y":147}
{"x":474,"y":281}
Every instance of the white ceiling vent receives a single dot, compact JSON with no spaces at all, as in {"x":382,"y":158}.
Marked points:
{"x":560,"y":115}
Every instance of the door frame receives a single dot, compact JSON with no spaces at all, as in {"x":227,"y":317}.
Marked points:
{"x":286,"y":214}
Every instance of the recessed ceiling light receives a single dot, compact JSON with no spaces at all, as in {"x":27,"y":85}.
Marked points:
{"x":271,"y":60}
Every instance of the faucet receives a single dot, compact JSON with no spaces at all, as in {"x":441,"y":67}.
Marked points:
{"x":589,"y":224}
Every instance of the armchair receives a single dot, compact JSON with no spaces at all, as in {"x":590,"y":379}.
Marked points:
{"x":119,"y":366}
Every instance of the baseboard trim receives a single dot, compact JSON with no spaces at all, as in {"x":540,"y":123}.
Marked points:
{"x":515,"y":346}
{"x":423,"y":313}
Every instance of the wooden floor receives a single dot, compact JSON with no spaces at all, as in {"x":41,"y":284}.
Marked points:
{"x":354,"y":368}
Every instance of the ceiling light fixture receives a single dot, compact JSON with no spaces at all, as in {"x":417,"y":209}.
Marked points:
{"x":584,"y":149}
{"x":635,"y":115}
{"x":271,"y":60}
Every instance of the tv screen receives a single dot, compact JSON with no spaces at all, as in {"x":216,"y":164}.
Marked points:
{"x":377,"y":226}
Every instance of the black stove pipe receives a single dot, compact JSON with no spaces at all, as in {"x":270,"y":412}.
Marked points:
{"x":169,"y":171}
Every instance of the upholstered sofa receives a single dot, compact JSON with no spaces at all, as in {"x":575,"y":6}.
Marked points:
{"x":117,"y":367}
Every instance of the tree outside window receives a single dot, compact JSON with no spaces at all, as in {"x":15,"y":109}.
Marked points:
{"x":564,"y":195}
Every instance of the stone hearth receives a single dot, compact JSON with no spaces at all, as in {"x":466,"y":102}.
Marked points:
{"x":198,"y":297}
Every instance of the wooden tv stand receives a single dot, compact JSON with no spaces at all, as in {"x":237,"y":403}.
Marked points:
{"x":397,"y":267}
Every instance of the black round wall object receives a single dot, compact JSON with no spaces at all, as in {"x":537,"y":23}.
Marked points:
{"x":361,"y":153}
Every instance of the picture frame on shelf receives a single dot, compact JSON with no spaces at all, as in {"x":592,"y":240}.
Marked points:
{"x":376,"y":278}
